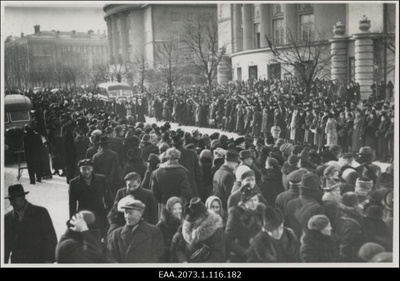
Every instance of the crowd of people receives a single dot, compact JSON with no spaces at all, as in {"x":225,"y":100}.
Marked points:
{"x":297,"y":183}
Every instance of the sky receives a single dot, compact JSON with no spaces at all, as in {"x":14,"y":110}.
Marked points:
{"x":20,"y":17}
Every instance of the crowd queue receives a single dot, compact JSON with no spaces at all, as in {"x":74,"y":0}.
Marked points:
{"x":297,"y":184}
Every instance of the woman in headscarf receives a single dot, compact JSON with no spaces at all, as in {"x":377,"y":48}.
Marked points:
{"x":214,"y":204}
{"x":170,"y":220}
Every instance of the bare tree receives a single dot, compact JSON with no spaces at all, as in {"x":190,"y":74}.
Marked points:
{"x":141,"y":67}
{"x":305,"y":59}
{"x":99,"y":73}
{"x":118,"y":68}
{"x":201,"y":38}
{"x":169,"y":61}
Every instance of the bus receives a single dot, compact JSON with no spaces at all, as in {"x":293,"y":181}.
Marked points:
{"x":16,"y":116}
{"x":16,"y":111}
{"x":114,"y":91}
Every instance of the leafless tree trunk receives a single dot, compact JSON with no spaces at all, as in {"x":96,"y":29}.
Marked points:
{"x":305,"y":60}
{"x":201,"y":38}
{"x":141,"y":67}
{"x":169,"y":62}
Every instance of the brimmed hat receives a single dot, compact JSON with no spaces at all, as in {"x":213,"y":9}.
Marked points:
{"x":85,"y":162}
{"x":195,"y":210}
{"x":134,"y":205}
{"x":296,"y":176}
{"x":239,"y":140}
{"x":330,"y":170}
{"x":318,"y":222}
{"x":293,"y":159}
{"x":366,"y":150}
{"x":244,"y":154}
{"x":272,"y":218}
{"x":310,"y":181}
{"x":153,"y":159}
{"x":125,"y":201}
{"x":104,"y":140}
{"x":247,"y":192}
{"x":350,"y":175}
{"x":232,"y":156}
{"x":350,"y":199}
{"x":16,"y":190}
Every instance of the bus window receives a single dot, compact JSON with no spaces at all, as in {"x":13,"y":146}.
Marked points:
{"x":16,"y":116}
{"x":113,"y":94}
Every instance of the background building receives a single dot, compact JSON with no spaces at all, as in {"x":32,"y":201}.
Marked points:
{"x":360,"y":46}
{"x":54,"y":58}
{"x":138,"y":31}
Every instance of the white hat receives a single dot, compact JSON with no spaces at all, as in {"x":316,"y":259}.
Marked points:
{"x":240,"y":170}
{"x":125,"y":201}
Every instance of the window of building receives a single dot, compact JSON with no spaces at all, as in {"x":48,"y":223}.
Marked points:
{"x":278,"y":31}
{"x":274,"y":71}
{"x":307,"y":27}
{"x":239,"y":74}
{"x":253,"y":72}
{"x":257,"y":35}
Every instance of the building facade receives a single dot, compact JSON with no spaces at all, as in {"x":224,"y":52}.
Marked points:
{"x":356,"y":36}
{"x":137,"y":30}
{"x":54,"y":58}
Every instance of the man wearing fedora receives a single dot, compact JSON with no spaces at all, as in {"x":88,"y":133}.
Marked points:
{"x":29,"y":235}
{"x":137,"y":241}
{"x":106,"y":162}
{"x":190,"y":161}
{"x":224,"y":178}
{"x":367,"y":168}
{"x":90,"y":191}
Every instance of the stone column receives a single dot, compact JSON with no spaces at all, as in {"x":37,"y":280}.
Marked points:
{"x":109,"y":37}
{"x":237,"y":28}
{"x":290,"y":20}
{"x":339,"y":53}
{"x":264,"y":23}
{"x":115,"y":38}
{"x":247,"y":27}
{"x":124,"y":37}
{"x":364,"y":56}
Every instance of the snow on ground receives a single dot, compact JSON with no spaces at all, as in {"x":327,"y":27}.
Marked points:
{"x":53,"y":194}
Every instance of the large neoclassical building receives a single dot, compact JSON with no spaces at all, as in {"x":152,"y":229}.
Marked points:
{"x":354,"y":33}
{"x":138,"y":28}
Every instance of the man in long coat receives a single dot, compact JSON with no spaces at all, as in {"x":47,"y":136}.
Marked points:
{"x":106,"y":162}
{"x":137,"y":241}
{"x":29,"y":235}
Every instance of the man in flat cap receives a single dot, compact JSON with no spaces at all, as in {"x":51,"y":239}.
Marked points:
{"x":133,"y":187}
{"x":90,"y":191}
{"x":136,"y":241}
{"x":29,"y":235}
